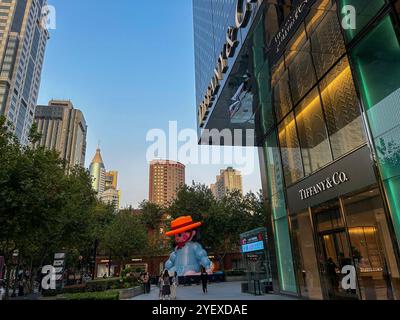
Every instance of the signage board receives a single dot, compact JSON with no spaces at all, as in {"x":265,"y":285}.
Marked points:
{"x":252,"y":247}
{"x":288,"y":29}
{"x":349,"y":174}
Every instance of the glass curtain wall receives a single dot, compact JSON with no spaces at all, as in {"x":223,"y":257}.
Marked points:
{"x":376,"y":63}
{"x":315,"y":100}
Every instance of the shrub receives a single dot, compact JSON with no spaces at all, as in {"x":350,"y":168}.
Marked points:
{"x":104,"y":284}
{"x":107,"y":295}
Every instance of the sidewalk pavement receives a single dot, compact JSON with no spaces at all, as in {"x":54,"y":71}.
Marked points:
{"x":216,"y":291}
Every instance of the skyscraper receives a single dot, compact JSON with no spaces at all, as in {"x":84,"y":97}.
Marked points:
{"x":22,"y":45}
{"x":98,"y":173}
{"x":166,"y":177}
{"x":229,"y":180}
{"x":111,"y":180}
{"x":64,"y":129}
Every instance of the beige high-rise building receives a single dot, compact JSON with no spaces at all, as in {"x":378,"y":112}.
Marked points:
{"x":64,"y":129}
{"x":23,"y":39}
{"x":166,"y":178}
{"x":229,"y":180}
{"x":111,"y":180}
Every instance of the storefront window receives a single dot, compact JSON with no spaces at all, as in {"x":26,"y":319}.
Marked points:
{"x":313,"y":134}
{"x":327,"y":43}
{"x":290,"y":149}
{"x":284,"y":256}
{"x":306,"y":264}
{"x":372,"y":246}
{"x":365,"y":10}
{"x":376,"y":61}
{"x":342,"y":110}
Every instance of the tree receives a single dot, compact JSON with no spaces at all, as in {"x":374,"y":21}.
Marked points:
{"x":151,"y":215}
{"x":43,"y":208}
{"x":125,"y":236}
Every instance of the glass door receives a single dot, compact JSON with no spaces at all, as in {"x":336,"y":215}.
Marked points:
{"x":333,"y":250}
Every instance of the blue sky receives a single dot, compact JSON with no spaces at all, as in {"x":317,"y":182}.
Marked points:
{"x":129,"y":66}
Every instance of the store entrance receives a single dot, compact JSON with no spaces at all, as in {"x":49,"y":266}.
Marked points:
{"x":353,"y":231}
{"x":334,"y":250}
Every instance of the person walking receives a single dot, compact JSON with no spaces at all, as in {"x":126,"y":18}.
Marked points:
{"x":166,"y":285}
{"x":204,"y":279}
{"x":174,"y":285}
{"x":146,"y":282}
{"x":160,"y":285}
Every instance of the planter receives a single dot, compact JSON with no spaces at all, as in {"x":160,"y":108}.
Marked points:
{"x":130,"y":293}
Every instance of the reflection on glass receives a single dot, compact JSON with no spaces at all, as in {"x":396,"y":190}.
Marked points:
{"x":372,"y":245}
{"x":312,"y":133}
{"x":377,"y":69}
{"x":287,"y":279}
{"x":327,"y":43}
{"x":342,"y":110}
{"x":290,"y":149}
{"x":282,"y":100}
{"x":305,"y":257}
{"x":274,"y":176}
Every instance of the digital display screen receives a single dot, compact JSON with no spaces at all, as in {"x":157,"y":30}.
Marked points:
{"x":251,"y":247}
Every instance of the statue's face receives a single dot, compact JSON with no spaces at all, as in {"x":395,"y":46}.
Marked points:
{"x":184,"y":236}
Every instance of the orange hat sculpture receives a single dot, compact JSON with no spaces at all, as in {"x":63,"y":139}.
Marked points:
{"x":182,"y":224}
{"x":189,"y":257}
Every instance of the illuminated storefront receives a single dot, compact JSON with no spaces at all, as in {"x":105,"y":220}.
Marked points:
{"x":324,"y":97}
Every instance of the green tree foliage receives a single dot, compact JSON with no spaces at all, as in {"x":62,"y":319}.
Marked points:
{"x":125,"y":236}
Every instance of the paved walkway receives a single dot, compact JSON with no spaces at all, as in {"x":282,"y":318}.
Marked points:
{"x":217,"y":291}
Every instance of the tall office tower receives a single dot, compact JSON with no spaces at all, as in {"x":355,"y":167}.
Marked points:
{"x":111,"y":180}
{"x":64,"y":129}
{"x":22,"y":45}
{"x":229,"y":180}
{"x":166,"y":177}
{"x":112,"y":197}
{"x":98,"y":173}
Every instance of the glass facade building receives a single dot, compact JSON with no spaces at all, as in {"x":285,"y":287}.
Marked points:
{"x":324,"y":81}
{"x":23,"y":39}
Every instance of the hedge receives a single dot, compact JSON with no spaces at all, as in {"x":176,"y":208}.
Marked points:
{"x":107,"y":295}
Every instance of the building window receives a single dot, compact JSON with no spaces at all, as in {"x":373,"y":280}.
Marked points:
{"x":342,"y":110}
{"x":313,"y":134}
{"x":290,"y":149}
{"x":327,"y":43}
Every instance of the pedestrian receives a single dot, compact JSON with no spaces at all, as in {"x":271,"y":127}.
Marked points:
{"x":174,"y":285}
{"x":166,"y":289}
{"x":160,"y":286}
{"x":146,"y":282}
{"x":2,"y":290}
{"x":204,"y":279}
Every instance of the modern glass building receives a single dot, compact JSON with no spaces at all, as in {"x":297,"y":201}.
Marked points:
{"x":319,"y":83}
{"x":23,"y":39}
